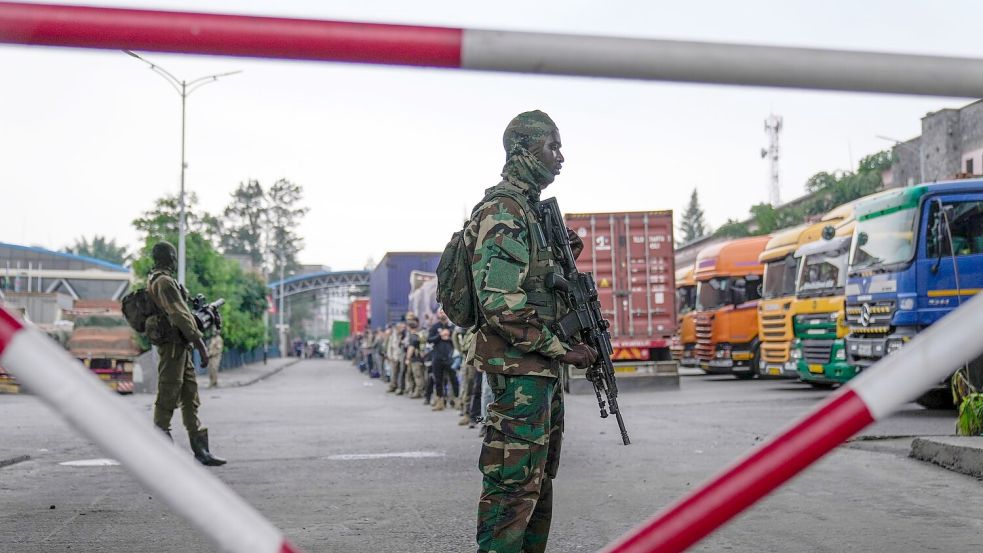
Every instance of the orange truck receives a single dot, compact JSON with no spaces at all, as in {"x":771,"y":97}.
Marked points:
{"x":728,"y":286}
{"x":684,"y":341}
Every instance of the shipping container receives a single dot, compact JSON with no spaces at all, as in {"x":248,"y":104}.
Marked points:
{"x":389,"y":284}
{"x":631,"y":257}
{"x":358,"y":315}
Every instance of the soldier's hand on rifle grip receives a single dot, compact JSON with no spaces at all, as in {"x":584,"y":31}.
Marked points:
{"x":576,"y":244}
{"x":581,"y":356}
{"x":202,"y":351}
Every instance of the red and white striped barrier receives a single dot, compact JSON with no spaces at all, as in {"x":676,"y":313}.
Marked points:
{"x":86,"y":403}
{"x":485,"y":50}
{"x":876,"y":393}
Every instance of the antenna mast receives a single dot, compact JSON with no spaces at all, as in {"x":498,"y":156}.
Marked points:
{"x":773,"y":128}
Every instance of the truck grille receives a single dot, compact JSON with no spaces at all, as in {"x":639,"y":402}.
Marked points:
{"x":878,"y":317}
{"x":775,"y":326}
{"x":704,"y":334}
{"x":817,"y":352}
{"x":775,"y":352}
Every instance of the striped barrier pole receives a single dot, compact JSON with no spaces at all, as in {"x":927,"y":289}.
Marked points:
{"x":488,"y":50}
{"x":79,"y":397}
{"x":877,"y":392}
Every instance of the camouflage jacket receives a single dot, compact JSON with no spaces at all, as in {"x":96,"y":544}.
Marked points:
{"x":168,"y":295}
{"x":512,"y":337}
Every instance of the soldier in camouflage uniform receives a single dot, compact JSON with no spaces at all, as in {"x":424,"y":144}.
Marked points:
{"x":514,"y":346}
{"x":416,"y":373}
{"x":397,"y":357}
{"x":174,"y":331}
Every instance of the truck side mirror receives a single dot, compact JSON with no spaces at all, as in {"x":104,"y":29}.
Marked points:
{"x":829,"y":232}
{"x":862,"y":239}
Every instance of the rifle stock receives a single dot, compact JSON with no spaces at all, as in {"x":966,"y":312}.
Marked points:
{"x":584,"y":322}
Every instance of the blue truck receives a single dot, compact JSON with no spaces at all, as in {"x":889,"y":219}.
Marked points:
{"x":917,"y":254}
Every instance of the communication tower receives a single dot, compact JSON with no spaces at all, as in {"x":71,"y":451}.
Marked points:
{"x":773,"y":128}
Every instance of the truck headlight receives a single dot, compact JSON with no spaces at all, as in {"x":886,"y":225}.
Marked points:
{"x":840,"y":354}
{"x":907,"y":304}
{"x":894,"y":345}
{"x":723,"y":353}
{"x":796,"y":354}
{"x":834,"y":315}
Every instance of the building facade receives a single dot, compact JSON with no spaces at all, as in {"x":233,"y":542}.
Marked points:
{"x":950,"y":146}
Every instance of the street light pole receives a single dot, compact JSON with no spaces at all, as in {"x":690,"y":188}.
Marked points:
{"x":184,"y":89}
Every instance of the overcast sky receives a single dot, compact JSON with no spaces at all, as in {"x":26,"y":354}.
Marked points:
{"x":391,"y":158}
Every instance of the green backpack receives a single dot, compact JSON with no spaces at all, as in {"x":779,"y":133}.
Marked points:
{"x":137,"y":308}
{"x":455,"y":283}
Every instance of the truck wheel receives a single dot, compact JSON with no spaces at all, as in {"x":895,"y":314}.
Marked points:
{"x":936,"y":399}
{"x":755,"y":362}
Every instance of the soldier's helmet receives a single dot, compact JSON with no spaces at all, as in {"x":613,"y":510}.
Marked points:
{"x":164,"y":255}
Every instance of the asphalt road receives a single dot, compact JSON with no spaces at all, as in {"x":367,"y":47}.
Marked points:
{"x":297,"y":444}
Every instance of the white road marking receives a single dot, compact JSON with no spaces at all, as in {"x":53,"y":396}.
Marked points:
{"x":403,"y":455}
{"x":91,"y":463}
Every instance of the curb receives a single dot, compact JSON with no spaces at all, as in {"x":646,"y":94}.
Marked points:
{"x":14,"y":460}
{"x":263,"y":376}
{"x":963,"y":454}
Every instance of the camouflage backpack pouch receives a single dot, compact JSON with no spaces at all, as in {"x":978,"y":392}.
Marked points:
{"x":455,"y":286}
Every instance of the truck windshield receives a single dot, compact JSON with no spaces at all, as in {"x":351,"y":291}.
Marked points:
{"x":883,"y":240}
{"x":686,"y":298}
{"x":780,"y":278}
{"x":823,"y":274}
{"x":713,"y":293}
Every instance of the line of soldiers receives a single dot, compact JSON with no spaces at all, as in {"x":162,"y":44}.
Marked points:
{"x":424,"y":363}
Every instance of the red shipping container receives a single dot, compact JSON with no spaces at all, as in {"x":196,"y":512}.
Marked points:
{"x":632,"y":258}
{"x":358,"y":315}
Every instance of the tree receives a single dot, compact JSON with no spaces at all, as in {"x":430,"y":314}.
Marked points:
{"x":99,"y":248}
{"x":766,"y":217}
{"x":284,"y":217}
{"x":693,"y":225}
{"x":162,"y":221}
{"x":245,"y":222}
{"x":732,"y":229}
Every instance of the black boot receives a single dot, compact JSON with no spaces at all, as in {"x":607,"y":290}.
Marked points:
{"x":199,"y":444}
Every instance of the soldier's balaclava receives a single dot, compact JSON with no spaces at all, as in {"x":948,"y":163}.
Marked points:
{"x":523,"y":132}
{"x":165,"y":257}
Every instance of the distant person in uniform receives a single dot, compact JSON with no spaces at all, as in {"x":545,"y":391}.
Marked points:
{"x":514,"y":346}
{"x":215,"y":348}
{"x":175,"y":333}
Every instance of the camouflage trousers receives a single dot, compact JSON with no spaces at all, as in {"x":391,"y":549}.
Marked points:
{"x":398,"y":376}
{"x":176,"y":385}
{"x":416,"y":379}
{"x":519,"y":458}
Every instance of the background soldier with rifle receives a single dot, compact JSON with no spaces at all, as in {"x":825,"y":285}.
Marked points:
{"x":174,"y":329}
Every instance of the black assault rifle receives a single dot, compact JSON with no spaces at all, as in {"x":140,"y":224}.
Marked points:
{"x":584,"y":321}
{"x":206,"y":314}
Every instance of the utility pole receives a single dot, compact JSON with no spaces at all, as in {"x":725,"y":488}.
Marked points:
{"x":184,"y":89}
{"x":773,"y":128}
{"x":281,"y":325}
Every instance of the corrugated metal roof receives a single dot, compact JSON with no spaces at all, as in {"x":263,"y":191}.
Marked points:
{"x":101,"y":263}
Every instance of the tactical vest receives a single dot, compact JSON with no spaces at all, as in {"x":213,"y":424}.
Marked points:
{"x":160,"y":331}
{"x":542,"y":261}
